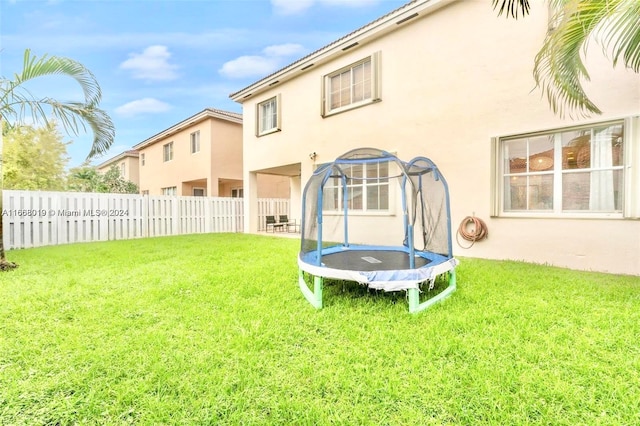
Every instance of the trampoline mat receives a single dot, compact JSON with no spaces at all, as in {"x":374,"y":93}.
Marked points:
{"x":371,"y":260}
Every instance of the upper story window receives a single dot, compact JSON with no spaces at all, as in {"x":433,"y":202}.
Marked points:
{"x":268,"y":116}
{"x":195,"y":142}
{"x":352,"y":86}
{"x":367,"y":189}
{"x":167,"y":151}
{"x":573,"y":171}
{"x":142,"y":158}
{"x":123,"y":169}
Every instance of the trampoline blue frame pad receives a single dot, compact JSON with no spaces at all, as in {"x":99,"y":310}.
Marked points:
{"x":381,"y":268}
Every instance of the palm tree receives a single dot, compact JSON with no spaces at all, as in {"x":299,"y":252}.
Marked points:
{"x":17,"y":103}
{"x":558,"y":67}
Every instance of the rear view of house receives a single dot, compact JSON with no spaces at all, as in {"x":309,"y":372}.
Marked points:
{"x":452,"y":81}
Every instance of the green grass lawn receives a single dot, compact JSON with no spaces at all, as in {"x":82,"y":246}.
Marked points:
{"x":212,"y":329}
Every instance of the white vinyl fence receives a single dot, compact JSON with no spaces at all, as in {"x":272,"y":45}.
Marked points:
{"x":36,"y":218}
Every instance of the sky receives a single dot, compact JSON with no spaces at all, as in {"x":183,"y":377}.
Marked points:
{"x":159,"y":62}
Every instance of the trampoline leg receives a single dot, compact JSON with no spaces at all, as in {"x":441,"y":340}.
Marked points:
{"x":314,"y":297}
{"x":414,"y":295}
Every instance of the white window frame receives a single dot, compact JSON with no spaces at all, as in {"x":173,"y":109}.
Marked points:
{"x":167,"y":151}
{"x":274,"y":125}
{"x":170,"y":190}
{"x":194,"y":141}
{"x":630,"y":207}
{"x":237,"y":192}
{"x":374,"y":86}
{"x":363,"y":185}
{"x":199,"y":188}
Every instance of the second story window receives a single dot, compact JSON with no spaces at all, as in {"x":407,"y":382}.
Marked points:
{"x":268,"y":116}
{"x":195,"y":142}
{"x":168,"y":152}
{"x":142,"y":158}
{"x":352,"y":86}
{"x":123,"y":169}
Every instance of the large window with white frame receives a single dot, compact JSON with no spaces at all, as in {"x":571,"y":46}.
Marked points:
{"x":578,"y":171}
{"x":195,"y":141}
{"x":367,"y":189}
{"x":355,"y":85}
{"x":268,"y":116}
{"x":167,"y":151}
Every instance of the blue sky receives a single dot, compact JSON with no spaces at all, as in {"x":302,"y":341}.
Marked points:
{"x":159,"y":62}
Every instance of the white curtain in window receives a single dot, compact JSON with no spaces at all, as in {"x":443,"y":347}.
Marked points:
{"x":507,"y":186}
{"x":601,"y":188}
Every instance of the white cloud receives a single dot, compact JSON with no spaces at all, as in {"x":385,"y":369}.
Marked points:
{"x":142,"y":106}
{"x":293,"y":7}
{"x":287,"y":49}
{"x":350,"y":3}
{"x":152,"y":64}
{"x":273,"y":57}
{"x":248,"y":66}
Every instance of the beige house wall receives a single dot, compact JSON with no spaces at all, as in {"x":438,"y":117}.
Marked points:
{"x":131,"y":167}
{"x":450,"y":82}
{"x":216,"y":167}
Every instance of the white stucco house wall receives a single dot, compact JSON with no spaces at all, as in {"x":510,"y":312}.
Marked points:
{"x":452,"y":81}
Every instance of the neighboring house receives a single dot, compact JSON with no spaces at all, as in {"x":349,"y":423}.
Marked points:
{"x":199,"y":156}
{"x":126,"y":162}
{"x":452,"y":81}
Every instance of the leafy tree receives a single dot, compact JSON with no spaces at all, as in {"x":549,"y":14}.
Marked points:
{"x":34,"y":158}
{"x":18,"y":103}
{"x":84,"y":178}
{"x":558,"y":68}
{"x":113,"y":182}
{"x":87,"y":179}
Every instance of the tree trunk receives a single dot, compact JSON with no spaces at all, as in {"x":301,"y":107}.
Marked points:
{"x":4,"y":264}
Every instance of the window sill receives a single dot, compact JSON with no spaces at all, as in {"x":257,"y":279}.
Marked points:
{"x":358,"y":213}
{"x":268,"y":132}
{"x":539,"y":215}
{"x":350,"y":107}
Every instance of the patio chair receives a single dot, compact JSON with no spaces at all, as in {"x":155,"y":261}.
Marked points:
{"x":273,"y":224}
{"x":290,"y":224}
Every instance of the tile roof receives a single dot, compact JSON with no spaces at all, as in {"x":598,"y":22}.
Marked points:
{"x":328,"y":46}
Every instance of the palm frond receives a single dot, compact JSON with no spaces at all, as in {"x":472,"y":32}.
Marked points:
{"x":55,"y":65}
{"x":512,"y":7}
{"x":17,"y":102}
{"x":621,"y":33}
{"x":559,"y":68}
{"x":76,"y":115}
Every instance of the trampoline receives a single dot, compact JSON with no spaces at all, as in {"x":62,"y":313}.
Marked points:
{"x":371,"y":218}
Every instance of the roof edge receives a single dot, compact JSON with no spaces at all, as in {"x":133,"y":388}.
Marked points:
{"x":386,"y":23}
{"x":196,"y":118}
{"x":127,"y":153}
